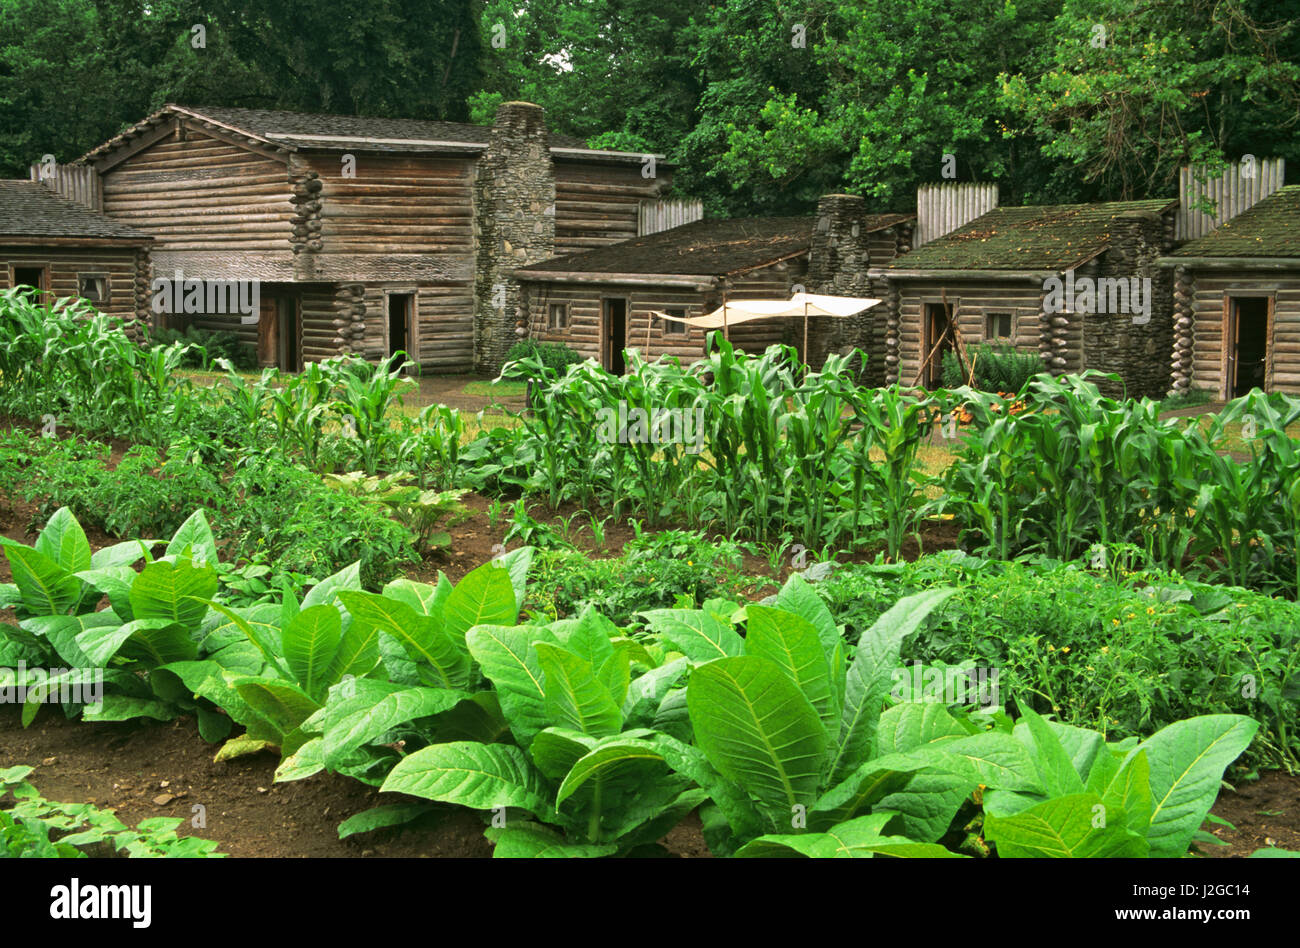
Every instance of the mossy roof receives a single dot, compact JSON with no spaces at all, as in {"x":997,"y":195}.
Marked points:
{"x":1054,"y":238}
{"x":1270,"y":228}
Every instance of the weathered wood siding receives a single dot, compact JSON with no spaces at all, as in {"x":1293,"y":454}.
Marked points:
{"x":444,"y":324}
{"x":1212,"y":289}
{"x":583,"y":332}
{"x":125,"y":267}
{"x":402,"y":217}
{"x":596,"y":205}
{"x":972,"y":303}
{"x":216,"y":210}
{"x":584,"y":300}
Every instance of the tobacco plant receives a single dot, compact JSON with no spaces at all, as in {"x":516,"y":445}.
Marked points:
{"x":785,"y":728}
{"x":581,"y":777}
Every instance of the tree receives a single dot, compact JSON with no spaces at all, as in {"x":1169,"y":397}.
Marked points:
{"x":611,"y":72}
{"x":1130,"y":92}
{"x":73,"y":73}
{"x":885,"y":90}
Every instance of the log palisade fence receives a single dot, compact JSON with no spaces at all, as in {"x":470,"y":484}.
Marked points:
{"x":942,"y":208}
{"x":654,"y":216}
{"x":1239,"y":188}
{"x":77,"y":183}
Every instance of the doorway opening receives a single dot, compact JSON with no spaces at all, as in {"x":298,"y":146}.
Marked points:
{"x":279,"y":337}
{"x":290,"y":348}
{"x":31,"y":276}
{"x":936,"y":339}
{"x":614,"y":334}
{"x":401,"y":331}
{"x":1248,"y":362}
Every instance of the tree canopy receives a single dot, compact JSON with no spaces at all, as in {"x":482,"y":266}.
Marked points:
{"x":763,"y":104}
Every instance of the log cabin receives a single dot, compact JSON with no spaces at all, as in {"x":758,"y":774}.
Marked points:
{"x":64,"y":249}
{"x":1237,"y":302}
{"x":1044,"y":279}
{"x":602,"y":302}
{"x":366,"y":235}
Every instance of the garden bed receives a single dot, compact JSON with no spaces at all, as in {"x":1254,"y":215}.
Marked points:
{"x":129,"y":767}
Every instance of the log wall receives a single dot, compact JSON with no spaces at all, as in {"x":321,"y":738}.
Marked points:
{"x":597,"y":205}
{"x":402,"y":217}
{"x":972,"y":302}
{"x":652,"y":341}
{"x":126,"y":267}
{"x":1211,"y":292}
{"x":220,"y":208}
{"x":444,"y":325}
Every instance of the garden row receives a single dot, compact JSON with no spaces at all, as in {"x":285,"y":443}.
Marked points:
{"x":733,"y":443}
{"x":578,"y":737}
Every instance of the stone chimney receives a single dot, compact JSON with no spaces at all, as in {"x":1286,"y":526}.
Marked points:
{"x":837,"y":265}
{"x":514,"y":225}
{"x":1135,"y":347}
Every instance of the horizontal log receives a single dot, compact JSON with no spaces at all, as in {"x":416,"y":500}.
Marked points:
{"x":114,"y":186}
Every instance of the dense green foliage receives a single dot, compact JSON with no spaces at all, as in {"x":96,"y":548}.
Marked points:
{"x":577,"y":738}
{"x":1074,"y":469}
{"x":655,"y":570}
{"x":768,"y":106}
{"x":1000,"y":368}
{"x":733,"y":440}
{"x":74,"y":73}
{"x":1120,"y":653}
{"x":555,"y":356}
{"x":204,"y":346}
{"x":586,"y":715}
{"x":764,"y":107}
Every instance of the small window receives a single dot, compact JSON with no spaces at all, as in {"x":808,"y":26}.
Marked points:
{"x":671,"y":326}
{"x":997,"y":326}
{"x":93,"y":287}
{"x":557,"y":316}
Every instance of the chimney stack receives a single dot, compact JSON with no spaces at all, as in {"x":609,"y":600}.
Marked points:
{"x":514,"y":204}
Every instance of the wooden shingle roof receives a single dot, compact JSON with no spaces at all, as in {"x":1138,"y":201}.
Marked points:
{"x":704,"y":248}
{"x":30,"y":210}
{"x":308,"y":131}
{"x":292,"y":126}
{"x":1052,"y":238}
{"x":1270,"y":228}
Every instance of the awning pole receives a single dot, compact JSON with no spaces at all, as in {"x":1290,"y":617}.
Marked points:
{"x":807,"y":365}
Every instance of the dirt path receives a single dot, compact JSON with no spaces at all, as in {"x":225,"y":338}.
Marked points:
{"x":449,"y":390}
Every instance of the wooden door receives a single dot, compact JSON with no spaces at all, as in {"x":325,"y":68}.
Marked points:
{"x":289,"y":346}
{"x":268,"y":333}
{"x":614,"y":334}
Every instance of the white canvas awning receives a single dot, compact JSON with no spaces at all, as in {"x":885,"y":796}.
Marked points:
{"x":801,"y":304}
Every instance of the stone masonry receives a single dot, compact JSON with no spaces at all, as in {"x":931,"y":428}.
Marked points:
{"x":514,"y":213}
{"x":1112,"y":342}
{"x":838,"y":262}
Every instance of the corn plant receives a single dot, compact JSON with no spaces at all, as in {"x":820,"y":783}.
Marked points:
{"x":893,"y":423}
{"x":366,"y":394}
{"x":430,"y":446}
{"x":987,"y":486}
